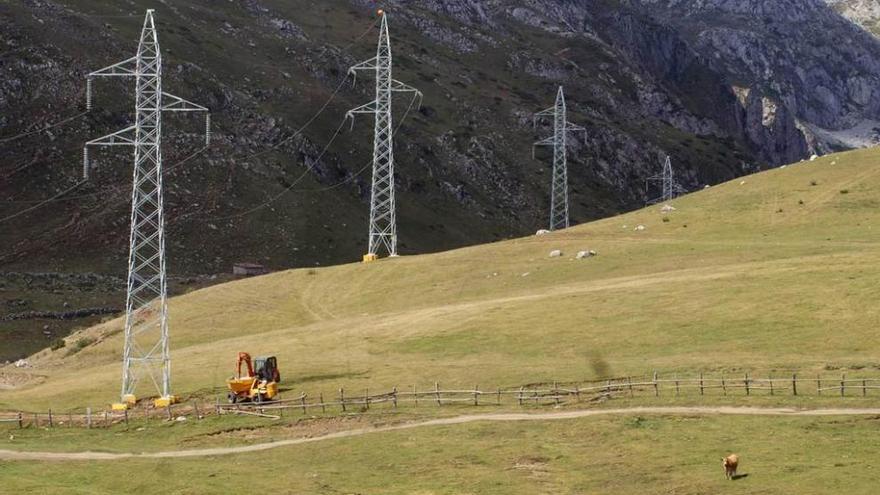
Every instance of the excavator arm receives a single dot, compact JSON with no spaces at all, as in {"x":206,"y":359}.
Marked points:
{"x":244,"y":357}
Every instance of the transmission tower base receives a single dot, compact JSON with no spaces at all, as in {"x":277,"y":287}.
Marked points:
{"x":370,"y":257}
{"x":166,"y":401}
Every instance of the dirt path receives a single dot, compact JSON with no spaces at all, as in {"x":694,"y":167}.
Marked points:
{"x":471,"y":418}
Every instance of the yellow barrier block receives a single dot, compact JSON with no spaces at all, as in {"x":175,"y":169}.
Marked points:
{"x":119,"y":406}
{"x":129,"y":399}
{"x":369,"y":257}
{"x":166,"y":401}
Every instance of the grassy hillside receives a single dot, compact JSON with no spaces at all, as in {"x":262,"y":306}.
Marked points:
{"x":605,"y":455}
{"x":773,"y":271}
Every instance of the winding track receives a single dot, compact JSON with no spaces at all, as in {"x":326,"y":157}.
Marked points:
{"x":12,"y":455}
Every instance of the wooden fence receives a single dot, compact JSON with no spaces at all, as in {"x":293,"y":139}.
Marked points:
{"x":556,"y":394}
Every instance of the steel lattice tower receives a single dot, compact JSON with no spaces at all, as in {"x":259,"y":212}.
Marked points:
{"x":146,"y":350}
{"x":383,"y":215}
{"x":670,"y":188}
{"x":559,"y":185}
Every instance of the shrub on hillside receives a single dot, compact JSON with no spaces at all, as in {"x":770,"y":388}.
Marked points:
{"x":81,"y":344}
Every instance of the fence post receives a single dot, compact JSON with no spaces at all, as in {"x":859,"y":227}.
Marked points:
{"x":864,"y":388}
{"x":701,"y":383}
{"x":20,"y":421}
{"x":302,"y":399}
{"x":842,"y":384}
{"x":818,"y":385}
{"x":476,"y":400}
{"x":88,"y":417}
{"x":437,"y":392}
{"x":499,"y":396}
{"x":51,"y":424}
{"x":723,"y":384}
{"x":746,"y":381}
{"x":323,"y":405}
{"x":69,"y":419}
{"x":577,"y":393}
{"x":126,"y":416}
{"x":656,"y":386}
{"x":771,"y":383}
{"x":394,"y":397}
{"x":216,"y":406}
{"x":367,"y":398}
{"x":36,"y":421}
{"x":556,"y":392}
{"x":794,"y":384}
{"x":342,"y":398}
{"x":676,"y":384}
{"x":196,"y":408}
{"x":630,"y":382}
{"x":520,"y":396}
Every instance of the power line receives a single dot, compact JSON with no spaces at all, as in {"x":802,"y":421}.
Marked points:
{"x":310,"y":168}
{"x":42,"y":129}
{"x":40,"y":205}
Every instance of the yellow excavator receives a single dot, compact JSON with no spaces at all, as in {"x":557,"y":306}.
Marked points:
{"x":261,"y":382}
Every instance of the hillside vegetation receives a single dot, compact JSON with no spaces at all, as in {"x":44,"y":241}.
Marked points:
{"x":770,"y":272}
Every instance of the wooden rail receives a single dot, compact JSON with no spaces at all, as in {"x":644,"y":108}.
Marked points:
{"x":531,"y":395}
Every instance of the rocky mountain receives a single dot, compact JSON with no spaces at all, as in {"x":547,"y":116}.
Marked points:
{"x":865,"y":13}
{"x":724,"y":86}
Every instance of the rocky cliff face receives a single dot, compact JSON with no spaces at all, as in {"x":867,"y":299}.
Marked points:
{"x":865,"y":13}
{"x":815,"y":64}
{"x":724,"y":86}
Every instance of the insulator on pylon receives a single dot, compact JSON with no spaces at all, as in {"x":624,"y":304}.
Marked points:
{"x":88,"y":93}
{"x":85,"y":163}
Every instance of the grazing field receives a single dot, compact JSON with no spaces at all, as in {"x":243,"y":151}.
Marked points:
{"x":772,"y":272}
{"x":769,"y":274}
{"x":610,"y":455}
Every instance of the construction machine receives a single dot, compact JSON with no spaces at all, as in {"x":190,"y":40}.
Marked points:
{"x":259,"y":384}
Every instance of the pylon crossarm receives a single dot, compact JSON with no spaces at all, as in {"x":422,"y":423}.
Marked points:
{"x":126,"y":68}
{"x":575,"y":128}
{"x":401,"y":87}
{"x":125,"y":137}
{"x":550,"y":141}
{"x":178,"y":104}
{"x":550,"y":112}
{"x":371,"y":107}
{"x":371,"y":64}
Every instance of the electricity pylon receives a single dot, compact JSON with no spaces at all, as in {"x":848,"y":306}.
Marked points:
{"x":383,"y":215}
{"x":670,"y":188}
{"x":561,"y":128}
{"x":146,"y":350}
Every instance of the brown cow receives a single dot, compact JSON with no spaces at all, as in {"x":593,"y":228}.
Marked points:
{"x":730,"y":464}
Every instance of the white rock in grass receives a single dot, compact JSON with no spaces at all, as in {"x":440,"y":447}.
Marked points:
{"x":586,"y":254}
{"x":180,"y":419}
{"x":814,"y":158}
{"x":639,"y":228}
{"x":22,"y":363}
{"x":667,"y":208}
{"x":542,"y":232}
{"x":556,"y":253}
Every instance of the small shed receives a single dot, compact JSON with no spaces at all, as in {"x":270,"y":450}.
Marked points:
{"x":249,"y":269}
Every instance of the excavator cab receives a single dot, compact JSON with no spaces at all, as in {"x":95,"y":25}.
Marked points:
{"x":259,"y":384}
{"x":266,"y":368}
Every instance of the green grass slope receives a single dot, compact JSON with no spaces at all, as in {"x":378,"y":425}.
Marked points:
{"x":770,"y":272}
{"x":599,"y":455}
